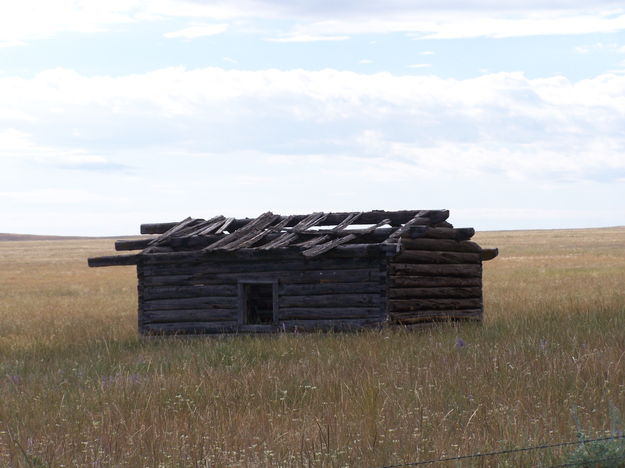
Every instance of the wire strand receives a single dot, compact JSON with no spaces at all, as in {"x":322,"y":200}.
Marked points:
{"x":583,"y":462}
{"x":504,"y":452}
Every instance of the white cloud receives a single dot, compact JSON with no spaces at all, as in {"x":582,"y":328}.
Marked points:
{"x":379,"y":125}
{"x":193,"y":32}
{"x":307,"y":38}
{"x":54,"y":196}
{"x":406,"y":126}
{"x":600,"y":47}
{"x":365,"y":61}
{"x":19,"y":145}
{"x":465,"y":22}
{"x":314,"y":21}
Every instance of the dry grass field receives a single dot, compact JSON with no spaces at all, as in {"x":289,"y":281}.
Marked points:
{"x":78,"y":387}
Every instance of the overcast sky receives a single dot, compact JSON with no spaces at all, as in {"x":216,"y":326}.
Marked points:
{"x":114,"y":113}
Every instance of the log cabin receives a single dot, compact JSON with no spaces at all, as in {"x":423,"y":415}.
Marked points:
{"x":320,"y":271}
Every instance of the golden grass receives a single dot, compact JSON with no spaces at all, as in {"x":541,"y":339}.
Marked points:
{"x":78,"y":387}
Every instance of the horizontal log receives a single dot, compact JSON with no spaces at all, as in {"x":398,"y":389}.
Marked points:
{"x":407,"y":305}
{"x":177,"y":280}
{"x":189,"y":315}
{"x":397,"y":218}
{"x":443,"y":224}
{"x":445,"y":245}
{"x":210,"y":268}
{"x":433,"y":281}
{"x":458,"y":234}
{"x":327,"y":313}
{"x":331,"y":300}
{"x":114,"y":260}
{"x":436,"y":316}
{"x":432,"y":257}
{"x":171,"y":292}
{"x":330,"y":288}
{"x":196,"y":242}
{"x":286,"y":277}
{"x":213,"y":302}
{"x":132,"y":244}
{"x":410,"y":269}
{"x":157,"y":228}
{"x":327,"y":325}
{"x":425,"y":293}
{"x":184,"y":328}
{"x":489,"y":254}
{"x":357,"y":251}
{"x":258,"y":328}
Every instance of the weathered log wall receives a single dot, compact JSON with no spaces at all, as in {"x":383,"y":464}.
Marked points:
{"x":438,"y":278}
{"x":198,"y":295}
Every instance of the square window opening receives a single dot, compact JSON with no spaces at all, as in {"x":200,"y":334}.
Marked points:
{"x":258,"y":303}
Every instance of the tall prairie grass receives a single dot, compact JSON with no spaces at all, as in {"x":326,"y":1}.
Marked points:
{"x":78,"y":387}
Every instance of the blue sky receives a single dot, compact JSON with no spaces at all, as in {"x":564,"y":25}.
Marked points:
{"x":510,"y":114}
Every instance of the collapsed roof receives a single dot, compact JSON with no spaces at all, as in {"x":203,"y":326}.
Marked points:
{"x":310,"y":235}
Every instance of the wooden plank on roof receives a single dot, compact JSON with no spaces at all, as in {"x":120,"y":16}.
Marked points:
{"x":167,"y":235}
{"x":310,"y":221}
{"x":252,"y":236}
{"x":284,"y":240}
{"x":319,"y":249}
{"x":349,"y":219}
{"x":208,"y":226}
{"x":253,"y":239}
{"x":182,"y":224}
{"x":244,"y":233}
{"x":314,"y":241}
{"x":397,"y":218}
{"x":223,"y":227}
{"x":394,"y":237}
{"x":281,"y":241}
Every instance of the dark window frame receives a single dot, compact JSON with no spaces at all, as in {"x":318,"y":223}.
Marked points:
{"x":242,"y":294}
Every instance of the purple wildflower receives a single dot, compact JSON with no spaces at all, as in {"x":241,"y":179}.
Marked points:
{"x":542,"y":344}
{"x":14,"y":379}
{"x":459,"y":343}
{"x":134,"y":378}
{"x":107,"y":380}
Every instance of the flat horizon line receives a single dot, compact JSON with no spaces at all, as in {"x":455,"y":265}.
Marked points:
{"x":16,"y":237}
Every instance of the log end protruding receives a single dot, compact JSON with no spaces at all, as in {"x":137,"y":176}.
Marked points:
{"x":132,"y":244}
{"x":489,"y":254}
{"x":156,"y":228}
{"x":114,"y":260}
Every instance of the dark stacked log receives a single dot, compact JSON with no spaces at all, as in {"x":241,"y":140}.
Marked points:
{"x":201,"y":296}
{"x":436,"y":278}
